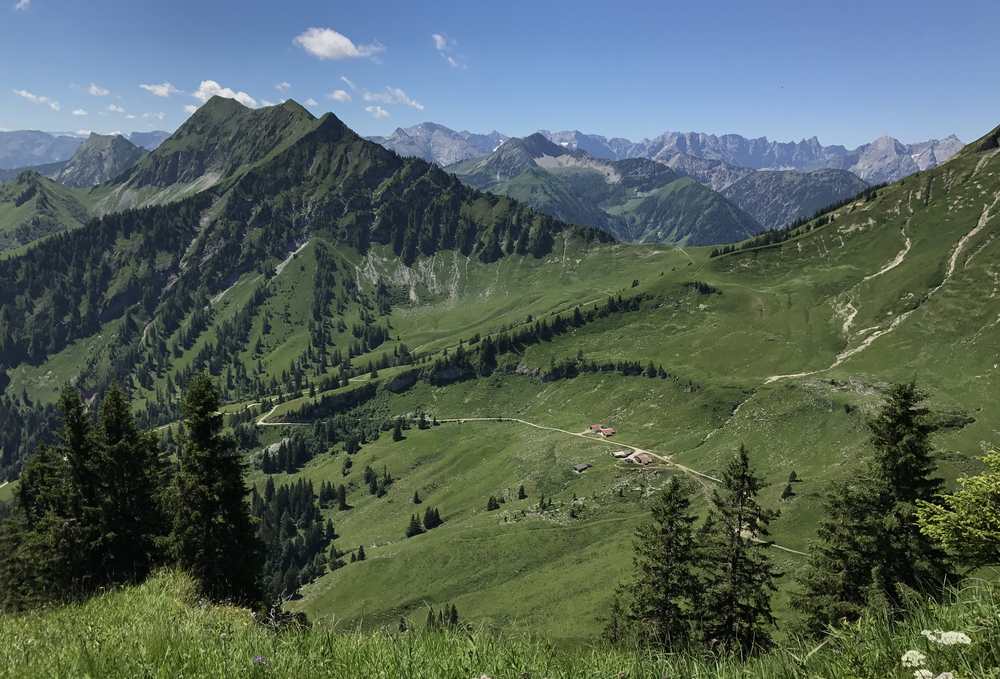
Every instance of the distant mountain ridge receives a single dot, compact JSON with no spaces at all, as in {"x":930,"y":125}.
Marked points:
{"x":637,"y":200}
{"x":716,"y":160}
{"x":439,"y":144}
{"x":884,"y":159}
{"x":101,"y":158}
{"x":23,"y":149}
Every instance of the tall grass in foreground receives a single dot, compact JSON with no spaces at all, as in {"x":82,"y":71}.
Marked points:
{"x":160,"y":629}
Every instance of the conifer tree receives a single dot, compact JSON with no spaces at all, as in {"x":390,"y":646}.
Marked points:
{"x":213,"y":537}
{"x":869,"y":544}
{"x":414,"y":528}
{"x":361,"y":553}
{"x":416,"y":498}
{"x":740,"y":577}
{"x":521,"y":493}
{"x":132,"y":504}
{"x":662,"y":599}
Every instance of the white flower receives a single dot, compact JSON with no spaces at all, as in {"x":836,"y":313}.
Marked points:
{"x":947,"y":638}
{"x":914,"y":659}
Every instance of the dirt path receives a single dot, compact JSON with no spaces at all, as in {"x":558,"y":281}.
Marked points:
{"x":700,"y":476}
{"x":896,"y":261}
{"x":288,"y":260}
{"x":870,"y":339}
{"x":262,"y":420}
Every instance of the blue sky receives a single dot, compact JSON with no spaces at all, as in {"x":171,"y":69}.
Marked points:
{"x":844,"y":71}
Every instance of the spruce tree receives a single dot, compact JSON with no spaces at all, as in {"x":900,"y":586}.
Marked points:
{"x":361,"y":553}
{"x":414,"y":528}
{"x":869,"y":545}
{"x":521,"y":493}
{"x":739,"y":574}
{"x":662,"y":599}
{"x":213,"y":537}
{"x":132,"y":516}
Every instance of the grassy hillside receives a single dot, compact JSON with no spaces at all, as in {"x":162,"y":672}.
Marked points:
{"x":34,"y":207}
{"x":160,"y":629}
{"x":785,"y":345}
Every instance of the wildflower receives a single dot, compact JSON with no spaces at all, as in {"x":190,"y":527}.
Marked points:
{"x":923,"y":674}
{"x":259,"y":660}
{"x":947,"y":638}
{"x":914,"y":659}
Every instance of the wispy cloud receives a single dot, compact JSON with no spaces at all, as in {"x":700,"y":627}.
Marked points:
{"x":38,"y":99}
{"x":210,"y":88}
{"x":377,"y":111}
{"x":339,"y":95}
{"x":326,"y":43}
{"x":311,"y":102}
{"x":22,"y":5}
{"x":115,"y":108}
{"x":446,"y":48}
{"x":283,"y":87}
{"x":97,"y":90}
{"x":159,"y":115}
{"x":161,"y":89}
{"x":393,"y":95}
{"x":190,"y":108}
{"x":79,"y":112}
{"x":348,"y":82}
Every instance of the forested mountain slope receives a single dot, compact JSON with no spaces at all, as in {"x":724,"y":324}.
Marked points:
{"x":333,"y":289}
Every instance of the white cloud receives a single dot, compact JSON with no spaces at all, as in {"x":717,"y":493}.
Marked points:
{"x":115,"y":108}
{"x":97,"y":90}
{"x":190,"y":108}
{"x":22,"y":5}
{"x":339,"y":95}
{"x":79,"y":112}
{"x":311,"y":102}
{"x":159,"y":116}
{"x":446,"y":48}
{"x":377,"y":111}
{"x":130,"y":116}
{"x":210,"y":88}
{"x":349,"y":82}
{"x":38,"y":99}
{"x":326,"y":43}
{"x":161,"y":89}
{"x":83,"y":133}
{"x":267,"y":102}
{"x":283,"y":87}
{"x":393,"y":95}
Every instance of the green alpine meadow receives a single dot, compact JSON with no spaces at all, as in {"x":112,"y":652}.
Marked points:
{"x":286,"y":393}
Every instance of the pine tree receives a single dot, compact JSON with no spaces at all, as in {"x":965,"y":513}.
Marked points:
{"x":870,"y":544}
{"x":662,"y":599}
{"x":132,"y":504}
{"x":213,"y":537}
{"x":416,"y":498}
{"x":397,"y":430}
{"x":414,"y":528}
{"x":739,"y":574}
{"x":492,"y":504}
{"x":521,"y":493}
{"x":361,"y":553}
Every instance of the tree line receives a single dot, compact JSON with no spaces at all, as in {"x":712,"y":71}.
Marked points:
{"x":104,"y":505}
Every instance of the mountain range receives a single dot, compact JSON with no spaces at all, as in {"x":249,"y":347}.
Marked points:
{"x":636,"y":200}
{"x":730,"y":155}
{"x":439,"y":144}
{"x":23,"y":149}
{"x":883,"y":160}
{"x":374,"y":323}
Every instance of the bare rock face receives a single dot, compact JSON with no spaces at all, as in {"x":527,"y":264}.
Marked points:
{"x":101,"y":158}
{"x":438,"y":144}
{"x":776,"y":198}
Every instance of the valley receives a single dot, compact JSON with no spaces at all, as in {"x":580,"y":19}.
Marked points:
{"x":785,"y":347}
